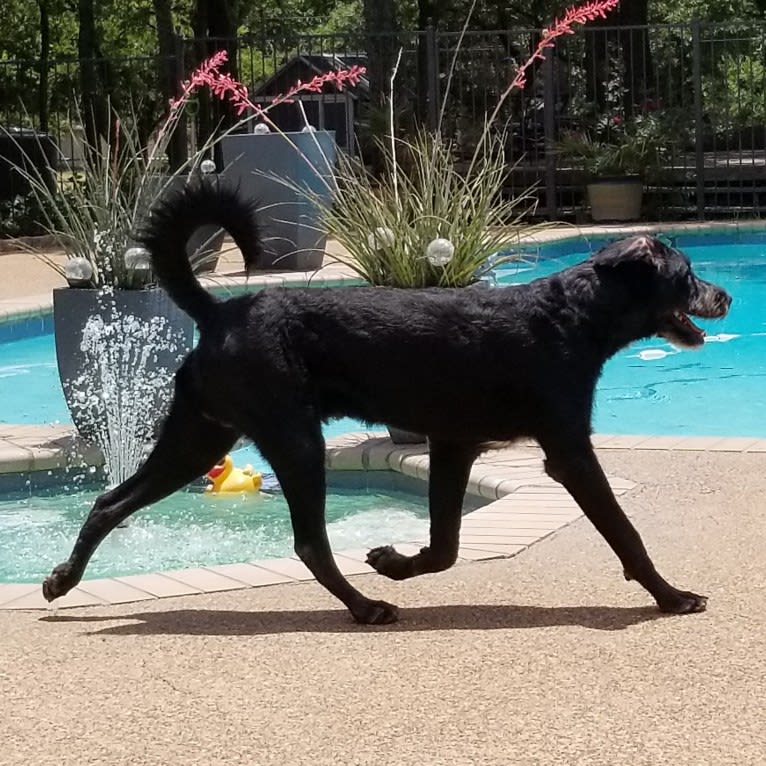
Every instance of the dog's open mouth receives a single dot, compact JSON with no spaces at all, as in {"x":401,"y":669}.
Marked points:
{"x":679,"y":329}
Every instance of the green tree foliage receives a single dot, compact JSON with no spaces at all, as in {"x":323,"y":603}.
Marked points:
{"x":681,"y":11}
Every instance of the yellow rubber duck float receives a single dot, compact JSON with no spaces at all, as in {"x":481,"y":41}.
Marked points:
{"x":228,"y":480}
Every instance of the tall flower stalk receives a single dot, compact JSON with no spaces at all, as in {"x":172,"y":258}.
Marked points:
{"x":566,"y":25}
{"x":392,"y":226}
{"x":92,"y":211}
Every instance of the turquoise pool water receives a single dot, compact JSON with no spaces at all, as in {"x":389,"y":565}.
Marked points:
{"x":190,"y":529}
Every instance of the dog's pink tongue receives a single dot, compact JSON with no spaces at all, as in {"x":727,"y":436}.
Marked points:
{"x":687,"y":320}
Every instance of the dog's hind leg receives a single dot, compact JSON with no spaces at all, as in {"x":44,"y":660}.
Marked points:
{"x":577,"y":468}
{"x":296,"y":452}
{"x":188,"y":446}
{"x":450,"y":466}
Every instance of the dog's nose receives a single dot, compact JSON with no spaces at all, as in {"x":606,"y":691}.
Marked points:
{"x":723,"y":301}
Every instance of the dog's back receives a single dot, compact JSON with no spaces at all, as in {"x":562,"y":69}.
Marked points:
{"x":391,"y":356}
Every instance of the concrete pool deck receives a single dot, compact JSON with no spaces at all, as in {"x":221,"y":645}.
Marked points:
{"x":545,"y":657}
{"x":548,"y":658}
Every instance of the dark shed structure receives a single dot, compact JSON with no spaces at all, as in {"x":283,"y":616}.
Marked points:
{"x":329,"y":110}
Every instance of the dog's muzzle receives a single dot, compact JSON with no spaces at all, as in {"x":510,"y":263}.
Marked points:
{"x":709,"y":302}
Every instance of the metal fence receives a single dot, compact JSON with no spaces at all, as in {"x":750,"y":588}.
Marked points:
{"x":706,"y":83}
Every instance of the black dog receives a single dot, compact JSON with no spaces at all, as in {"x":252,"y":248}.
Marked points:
{"x":465,"y":366}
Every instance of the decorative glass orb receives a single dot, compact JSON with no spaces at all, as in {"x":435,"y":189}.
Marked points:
{"x":78,"y":270}
{"x":137,"y":259}
{"x":261,"y":129}
{"x":380,"y":238}
{"x":207,"y":166}
{"x":439,"y":251}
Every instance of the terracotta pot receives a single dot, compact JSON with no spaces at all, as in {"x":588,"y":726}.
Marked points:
{"x":615,"y":199}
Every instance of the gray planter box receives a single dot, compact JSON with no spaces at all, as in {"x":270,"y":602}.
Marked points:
{"x":289,"y":221}
{"x":82,"y":365}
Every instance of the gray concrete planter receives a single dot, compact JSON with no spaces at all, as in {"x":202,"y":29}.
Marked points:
{"x":258,"y":164}
{"x":142,"y":332}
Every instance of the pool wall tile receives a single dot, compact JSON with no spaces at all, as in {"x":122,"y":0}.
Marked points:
{"x":13,"y":328}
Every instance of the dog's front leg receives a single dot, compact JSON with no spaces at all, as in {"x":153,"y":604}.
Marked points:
{"x":296,"y":452}
{"x":577,"y":468}
{"x":187,"y":447}
{"x":450,"y":466}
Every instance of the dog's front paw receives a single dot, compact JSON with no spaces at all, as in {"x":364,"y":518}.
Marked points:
{"x":682,"y":602}
{"x":59,"y":582}
{"x":375,"y":613}
{"x":386,"y":560}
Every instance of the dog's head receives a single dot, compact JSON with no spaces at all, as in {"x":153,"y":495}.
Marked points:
{"x":661,"y":277}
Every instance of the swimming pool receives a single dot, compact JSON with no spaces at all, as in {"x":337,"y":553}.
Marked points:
{"x":649,"y":388}
{"x":190,"y":529}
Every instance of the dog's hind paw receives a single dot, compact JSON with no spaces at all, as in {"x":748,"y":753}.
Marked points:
{"x":386,"y":560}
{"x":375,"y":613}
{"x":683,"y":602}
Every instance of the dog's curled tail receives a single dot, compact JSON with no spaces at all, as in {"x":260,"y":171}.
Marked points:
{"x":175,"y":217}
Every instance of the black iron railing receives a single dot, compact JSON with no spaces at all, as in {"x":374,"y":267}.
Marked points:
{"x":705,"y":82}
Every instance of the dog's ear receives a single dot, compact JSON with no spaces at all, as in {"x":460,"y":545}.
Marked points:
{"x":644,"y":250}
